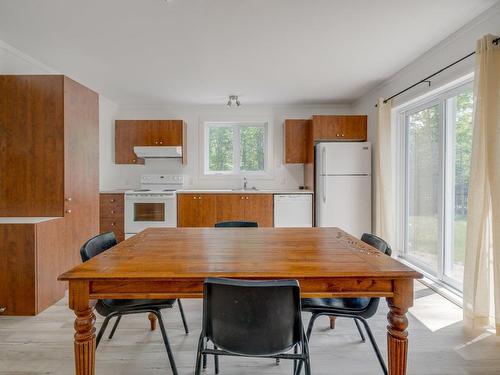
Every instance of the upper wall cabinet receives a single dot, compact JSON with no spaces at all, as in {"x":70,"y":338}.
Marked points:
{"x":296,"y":138}
{"x":339,"y":128}
{"x":300,"y":135}
{"x":130,"y":133}
{"x":49,"y":148}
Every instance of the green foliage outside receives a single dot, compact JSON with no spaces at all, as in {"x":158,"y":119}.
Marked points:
{"x":425,"y":179}
{"x":221,"y":148}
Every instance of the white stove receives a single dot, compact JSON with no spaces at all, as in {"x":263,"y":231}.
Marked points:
{"x":154,"y":205}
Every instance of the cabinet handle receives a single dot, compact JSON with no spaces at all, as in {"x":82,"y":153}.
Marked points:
{"x":112,"y":211}
{"x":199,"y":197}
{"x":68,"y":211}
{"x":342,"y":134}
{"x":156,"y":142}
{"x":194,"y":197}
{"x":242,"y":197}
{"x":2,"y":309}
{"x":68,"y":199}
{"x":133,"y":160}
{"x":112,"y":200}
{"x":161,"y":142}
{"x":246,"y":198}
{"x":113,"y":224}
{"x":338,"y":135}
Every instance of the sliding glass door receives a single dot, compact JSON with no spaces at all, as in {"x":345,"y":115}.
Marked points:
{"x":438,"y":140}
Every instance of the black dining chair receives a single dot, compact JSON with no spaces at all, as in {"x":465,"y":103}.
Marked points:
{"x":252,"y":319}
{"x":237,"y":224}
{"x":359,"y":309}
{"x":110,"y":308}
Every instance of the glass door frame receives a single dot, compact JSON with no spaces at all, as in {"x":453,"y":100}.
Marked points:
{"x":447,"y":122}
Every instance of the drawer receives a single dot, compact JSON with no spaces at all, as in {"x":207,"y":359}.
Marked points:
{"x":111,"y":212}
{"x":112,"y":225}
{"x":111,"y":200}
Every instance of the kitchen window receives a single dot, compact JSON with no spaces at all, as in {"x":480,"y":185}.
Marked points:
{"x":236,"y":148}
{"x":437,"y":139}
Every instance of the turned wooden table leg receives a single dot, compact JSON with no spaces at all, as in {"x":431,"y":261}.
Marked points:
{"x":332,"y":321}
{"x":397,"y":336}
{"x":152,"y":321}
{"x":84,"y":328}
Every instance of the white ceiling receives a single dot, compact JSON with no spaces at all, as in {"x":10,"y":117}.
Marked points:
{"x":199,"y":51}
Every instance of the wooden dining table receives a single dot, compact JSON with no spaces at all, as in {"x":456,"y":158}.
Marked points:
{"x":161,"y":263}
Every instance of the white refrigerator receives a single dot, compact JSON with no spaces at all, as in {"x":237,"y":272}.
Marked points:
{"x":343,"y":186}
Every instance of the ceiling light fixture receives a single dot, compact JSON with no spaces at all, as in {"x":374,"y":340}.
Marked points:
{"x":233,"y":99}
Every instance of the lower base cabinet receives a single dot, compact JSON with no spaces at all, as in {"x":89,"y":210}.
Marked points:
{"x":32,"y":256}
{"x":204,"y":210}
{"x":111,"y":214}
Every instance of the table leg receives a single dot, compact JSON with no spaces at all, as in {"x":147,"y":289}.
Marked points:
{"x":397,"y":336}
{"x":152,"y":321}
{"x":332,"y":321}
{"x":84,"y":328}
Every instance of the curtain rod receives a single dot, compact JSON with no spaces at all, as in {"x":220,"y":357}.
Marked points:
{"x":426,"y":79}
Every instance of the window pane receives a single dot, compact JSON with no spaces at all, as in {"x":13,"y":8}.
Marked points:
{"x":220,"y":149}
{"x":424,"y":187}
{"x":462,"y":110}
{"x":252,"y":148}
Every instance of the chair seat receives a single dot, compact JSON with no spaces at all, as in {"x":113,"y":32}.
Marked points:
{"x":347,"y":305}
{"x":107,"y":306}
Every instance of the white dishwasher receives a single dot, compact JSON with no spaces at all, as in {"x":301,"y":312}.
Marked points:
{"x":292,"y":210}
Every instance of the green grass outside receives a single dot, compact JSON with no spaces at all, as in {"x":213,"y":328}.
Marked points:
{"x":423,"y":233}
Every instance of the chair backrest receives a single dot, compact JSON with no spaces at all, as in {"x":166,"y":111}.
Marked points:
{"x":377,"y":242}
{"x":237,"y":224}
{"x":97,"y":245}
{"x":252,"y":317}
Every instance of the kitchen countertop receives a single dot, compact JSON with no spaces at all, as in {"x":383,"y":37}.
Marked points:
{"x":229,"y":191}
{"x":25,"y":220}
{"x":223,"y":191}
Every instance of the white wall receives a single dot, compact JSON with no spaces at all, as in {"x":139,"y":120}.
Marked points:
{"x":454,"y":47}
{"x":115,"y":176}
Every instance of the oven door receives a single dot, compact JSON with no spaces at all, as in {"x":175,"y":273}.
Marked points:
{"x":149,"y":212}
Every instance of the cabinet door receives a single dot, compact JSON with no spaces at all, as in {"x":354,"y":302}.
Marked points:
{"x":187,"y":210}
{"x":230,"y":207}
{"x":259,"y":208}
{"x":327,"y":127}
{"x":354,"y":128}
{"x":128,"y":134}
{"x":168,"y":132}
{"x":296,"y":140}
{"x":81,"y":167}
{"x":206,"y":210}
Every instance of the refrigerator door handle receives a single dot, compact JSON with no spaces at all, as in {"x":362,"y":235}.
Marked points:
{"x":323,"y":160}
{"x":324,"y":189}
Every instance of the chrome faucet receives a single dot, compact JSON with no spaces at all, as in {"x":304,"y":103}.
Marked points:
{"x":245,"y":183}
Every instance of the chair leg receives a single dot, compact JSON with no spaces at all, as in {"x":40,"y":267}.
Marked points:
{"x":165,"y":340}
{"x":374,"y":345}
{"x":199,"y":356}
{"x":216,"y":362}
{"x":360,"y":330}
{"x":114,"y":327}
{"x":277,"y":361}
{"x":183,"y":316}
{"x":204,"y":361}
{"x":307,"y":365}
{"x":103,"y":329}
{"x":295,"y":351}
{"x":310,"y":326}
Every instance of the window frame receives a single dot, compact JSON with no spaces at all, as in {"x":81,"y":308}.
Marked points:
{"x":236,"y":172}
{"x":442,"y":97}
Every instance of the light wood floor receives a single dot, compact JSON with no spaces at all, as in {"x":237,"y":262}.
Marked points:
{"x":43,"y":345}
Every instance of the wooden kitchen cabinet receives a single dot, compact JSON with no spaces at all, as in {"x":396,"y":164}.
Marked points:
{"x":204,"y":210}
{"x":296,"y":139}
{"x":111,"y":214}
{"x":49,"y":158}
{"x":196,"y":210}
{"x":349,"y":128}
{"x":130,"y":133}
{"x":32,"y":255}
{"x":259,"y":208}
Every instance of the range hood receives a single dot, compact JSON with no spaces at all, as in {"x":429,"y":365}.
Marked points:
{"x":158,"y":152}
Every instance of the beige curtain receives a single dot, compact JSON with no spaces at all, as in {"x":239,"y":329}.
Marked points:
{"x":482,"y":258}
{"x":383,"y":169}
